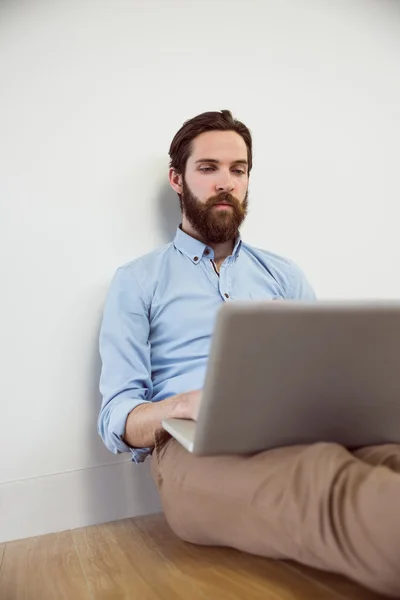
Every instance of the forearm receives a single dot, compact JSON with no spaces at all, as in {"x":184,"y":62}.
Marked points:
{"x":145,"y":419}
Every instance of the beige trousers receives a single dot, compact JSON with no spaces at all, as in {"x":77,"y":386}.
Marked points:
{"x":319,"y":505}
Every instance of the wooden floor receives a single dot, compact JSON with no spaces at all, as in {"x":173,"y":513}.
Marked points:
{"x":141,"y":559}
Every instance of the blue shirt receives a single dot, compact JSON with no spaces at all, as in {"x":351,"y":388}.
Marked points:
{"x":159,"y":317}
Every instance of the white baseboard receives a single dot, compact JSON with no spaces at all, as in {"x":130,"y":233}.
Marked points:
{"x":76,"y":499}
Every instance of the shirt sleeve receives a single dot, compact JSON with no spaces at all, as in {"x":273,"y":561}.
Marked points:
{"x":299,"y":286}
{"x":124,"y":345}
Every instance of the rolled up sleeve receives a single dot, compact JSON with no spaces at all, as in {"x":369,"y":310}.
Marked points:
{"x":125,"y":380}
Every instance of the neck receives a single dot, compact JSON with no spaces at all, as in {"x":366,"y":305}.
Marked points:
{"x":221,"y":251}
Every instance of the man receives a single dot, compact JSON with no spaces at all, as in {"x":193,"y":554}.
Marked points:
{"x":318,"y":504}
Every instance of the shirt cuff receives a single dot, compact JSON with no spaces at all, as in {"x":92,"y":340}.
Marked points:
{"x":112,"y":429}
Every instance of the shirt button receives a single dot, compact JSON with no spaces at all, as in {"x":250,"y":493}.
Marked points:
{"x":196,"y":258}
{"x":226,"y":295}
{"x":206,"y":252}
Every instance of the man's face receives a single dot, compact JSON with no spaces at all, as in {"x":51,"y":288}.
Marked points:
{"x":214,"y":186}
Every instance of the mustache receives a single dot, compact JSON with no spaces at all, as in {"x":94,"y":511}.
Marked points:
{"x":223,"y":198}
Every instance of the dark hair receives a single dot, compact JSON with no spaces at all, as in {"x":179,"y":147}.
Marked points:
{"x":181,"y":145}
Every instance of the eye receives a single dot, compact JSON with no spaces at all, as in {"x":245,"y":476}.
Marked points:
{"x":207,"y":169}
{"x":239,"y":172}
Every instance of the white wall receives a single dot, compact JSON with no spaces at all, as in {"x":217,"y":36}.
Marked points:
{"x":91,"y":95}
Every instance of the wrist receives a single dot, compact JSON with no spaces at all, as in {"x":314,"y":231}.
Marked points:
{"x":180,"y":407}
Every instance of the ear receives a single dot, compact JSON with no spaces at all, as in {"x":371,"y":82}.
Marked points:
{"x":176,"y":181}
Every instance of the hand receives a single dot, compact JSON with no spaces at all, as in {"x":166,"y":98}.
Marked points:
{"x":188,"y":405}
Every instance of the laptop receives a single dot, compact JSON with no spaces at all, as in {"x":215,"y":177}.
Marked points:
{"x":298,"y":372}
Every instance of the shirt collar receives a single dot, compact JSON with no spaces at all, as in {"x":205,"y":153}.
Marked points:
{"x":194,"y":249}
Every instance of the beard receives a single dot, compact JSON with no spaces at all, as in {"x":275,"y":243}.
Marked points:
{"x":213,"y":225}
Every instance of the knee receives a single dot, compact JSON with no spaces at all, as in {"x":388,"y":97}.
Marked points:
{"x":191,"y":521}
{"x":185,"y":528}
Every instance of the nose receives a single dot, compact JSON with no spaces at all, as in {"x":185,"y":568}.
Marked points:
{"x":225,"y":183}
